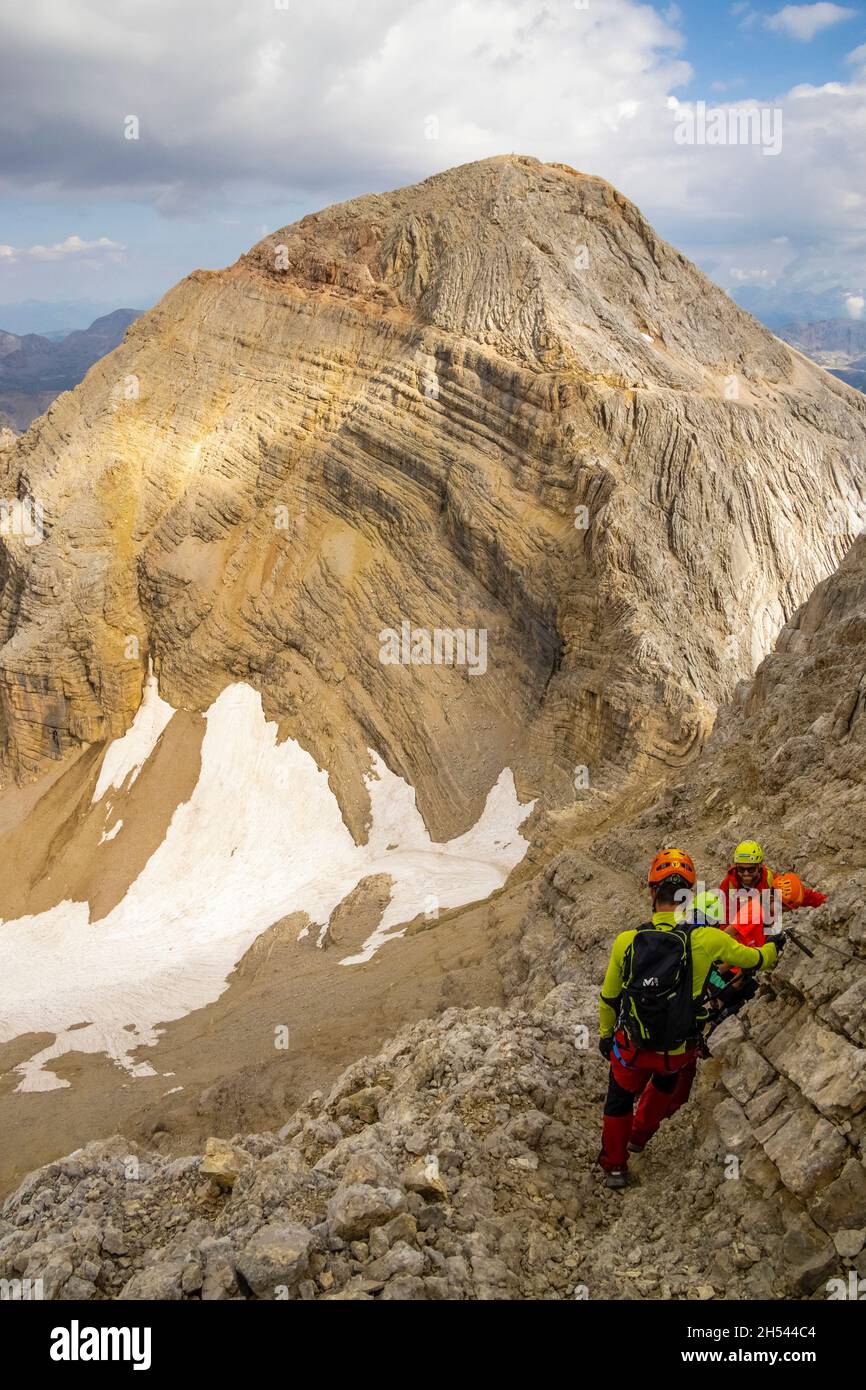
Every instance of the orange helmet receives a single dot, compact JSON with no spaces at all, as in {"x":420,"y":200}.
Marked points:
{"x":670,"y":863}
{"x":791,"y":889}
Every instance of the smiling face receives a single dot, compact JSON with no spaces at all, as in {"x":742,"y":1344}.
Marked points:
{"x":749,"y":874}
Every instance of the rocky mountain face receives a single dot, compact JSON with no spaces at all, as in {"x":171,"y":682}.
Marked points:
{"x":8,"y":434}
{"x":34,"y":370}
{"x":458,"y":1162}
{"x":854,"y":375}
{"x":494,"y":403}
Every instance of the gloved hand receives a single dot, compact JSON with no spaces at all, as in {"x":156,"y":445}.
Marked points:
{"x":605,"y":1047}
{"x":778,"y":941}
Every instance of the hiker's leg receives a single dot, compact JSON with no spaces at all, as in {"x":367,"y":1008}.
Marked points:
{"x":623,"y":1084}
{"x":683,"y":1088}
{"x":656,"y":1100}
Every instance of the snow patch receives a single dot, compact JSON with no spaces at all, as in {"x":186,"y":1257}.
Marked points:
{"x":110,"y":834}
{"x":125,"y":757}
{"x":261,"y":836}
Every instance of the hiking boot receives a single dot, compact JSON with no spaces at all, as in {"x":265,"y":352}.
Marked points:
{"x":636,"y":1148}
{"x":617,"y":1179}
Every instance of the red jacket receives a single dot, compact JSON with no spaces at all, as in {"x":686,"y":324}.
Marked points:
{"x":731,"y":884}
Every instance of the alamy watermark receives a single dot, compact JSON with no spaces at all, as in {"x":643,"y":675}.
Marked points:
{"x":700,"y":124}
{"x":22,"y":517}
{"x":855,"y":1288}
{"x":438,"y":646}
{"x":21,"y":1290}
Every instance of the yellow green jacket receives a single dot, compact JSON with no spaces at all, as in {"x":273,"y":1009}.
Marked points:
{"x":709,"y":944}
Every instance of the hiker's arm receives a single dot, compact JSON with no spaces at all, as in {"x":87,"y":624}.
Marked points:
{"x":610,"y":992}
{"x":812,"y":898}
{"x":732,"y":952}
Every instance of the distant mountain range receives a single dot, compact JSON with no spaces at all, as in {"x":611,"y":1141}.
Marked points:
{"x":781,"y":305}
{"x":837,"y":344}
{"x":34,"y":369}
{"x":56,"y":318}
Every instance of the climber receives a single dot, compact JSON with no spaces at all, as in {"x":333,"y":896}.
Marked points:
{"x":707,"y":909}
{"x":750,"y":911}
{"x":750,"y":873}
{"x":650,"y":1014}
{"x":728,"y":987}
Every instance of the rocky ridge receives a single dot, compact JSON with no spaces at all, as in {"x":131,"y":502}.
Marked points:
{"x":459,"y":1161}
{"x":495,"y":401}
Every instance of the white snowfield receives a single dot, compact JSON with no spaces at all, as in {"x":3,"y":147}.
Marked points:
{"x":261,"y":836}
{"x":125,"y":757}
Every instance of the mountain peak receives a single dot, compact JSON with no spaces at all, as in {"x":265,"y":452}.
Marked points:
{"x":544,"y":264}
{"x":493,"y":401}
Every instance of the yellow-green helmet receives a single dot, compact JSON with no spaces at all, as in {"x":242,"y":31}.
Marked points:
{"x":748,"y":852}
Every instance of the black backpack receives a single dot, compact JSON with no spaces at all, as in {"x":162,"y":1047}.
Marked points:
{"x":657,"y":1009}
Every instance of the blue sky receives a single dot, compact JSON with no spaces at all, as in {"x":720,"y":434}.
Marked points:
{"x":729,"y":44}
{"x":253,"y":113}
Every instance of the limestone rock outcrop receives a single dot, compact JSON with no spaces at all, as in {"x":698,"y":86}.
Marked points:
{"x":495,"y":401}
{"x":430,"y":384}
{"x":459,"y":1161}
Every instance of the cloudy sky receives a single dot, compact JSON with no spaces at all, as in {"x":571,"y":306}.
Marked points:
{"x":144,"y":138}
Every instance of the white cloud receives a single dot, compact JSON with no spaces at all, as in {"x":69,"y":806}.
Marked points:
{"x":746,"y":16}
{"x":72,"y":248}
{"x":803,"y":22}
{"x":751,"y":276}
{"x":311,"y":104}
{"x":855,"y":304}
{"x":329,"y":99}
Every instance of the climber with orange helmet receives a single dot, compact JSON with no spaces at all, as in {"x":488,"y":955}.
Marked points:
{"x":650,"y":1013}
{"x":750,"y":873}
{"x":794,"y":893}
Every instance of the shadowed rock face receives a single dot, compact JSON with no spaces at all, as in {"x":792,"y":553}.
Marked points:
{"x":396,"y":409}
{"x":786,"y":1092}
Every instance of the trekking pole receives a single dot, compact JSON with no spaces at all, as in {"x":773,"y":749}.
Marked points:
{"x":792,"y":936}
{"x":801,"y":945}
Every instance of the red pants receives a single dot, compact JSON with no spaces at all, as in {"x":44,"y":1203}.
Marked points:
{"x":663,"y":1084}
{"x":683,"y":1088}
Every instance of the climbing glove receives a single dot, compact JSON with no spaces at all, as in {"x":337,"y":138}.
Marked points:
{"x":605,"y":1047}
